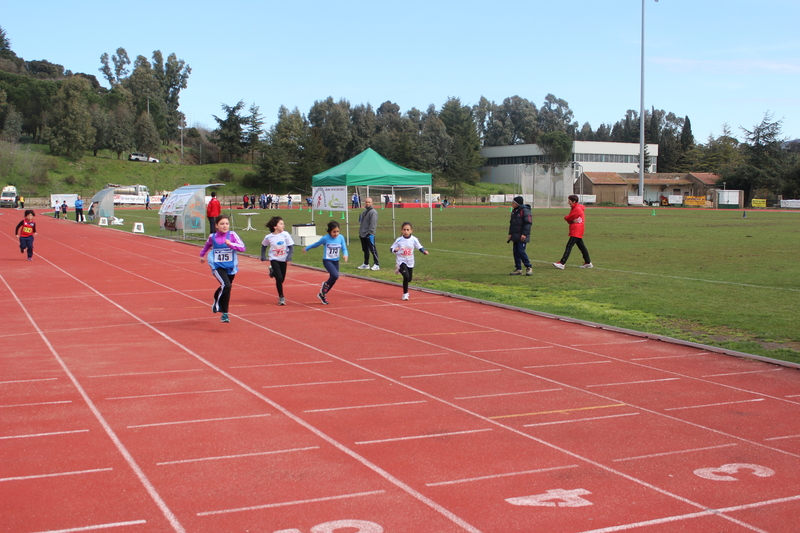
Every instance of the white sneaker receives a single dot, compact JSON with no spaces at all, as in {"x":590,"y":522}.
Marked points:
{"x":363,"y":267}
{"x":375,"y":267}
{"x":587,"y":265}
{"x":558,"y":266}
{"x":405,"y":296}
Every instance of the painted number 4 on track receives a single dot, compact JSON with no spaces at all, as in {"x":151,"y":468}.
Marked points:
{"x":330,"y":527}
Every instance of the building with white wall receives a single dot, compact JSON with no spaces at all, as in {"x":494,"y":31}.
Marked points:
{"x":505,"y":164}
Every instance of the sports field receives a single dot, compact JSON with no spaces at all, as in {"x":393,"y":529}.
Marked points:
{"x":127,"y":406}
{"x":725,"y":278}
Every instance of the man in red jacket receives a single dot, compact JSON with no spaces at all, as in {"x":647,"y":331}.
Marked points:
{"x":576,"y":219}
{"x":213,"y":210}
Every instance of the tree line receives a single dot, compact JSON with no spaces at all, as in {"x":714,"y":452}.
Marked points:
{"x":73,"y":113}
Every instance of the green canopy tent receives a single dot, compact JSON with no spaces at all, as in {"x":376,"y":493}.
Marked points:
{"x":370,"y":169}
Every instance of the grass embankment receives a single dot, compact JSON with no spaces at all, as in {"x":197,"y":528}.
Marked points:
{"x":700,"y":275}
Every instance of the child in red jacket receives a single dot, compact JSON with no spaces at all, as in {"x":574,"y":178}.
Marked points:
{"x":576,"y":219}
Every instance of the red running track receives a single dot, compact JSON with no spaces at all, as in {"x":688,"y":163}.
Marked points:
{"x":127,"y":406}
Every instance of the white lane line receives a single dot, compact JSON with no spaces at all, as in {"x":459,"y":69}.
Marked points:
{"x":284,"y":364}
{"x":296,"y":502}
{"x":401,"y":356}
{"x":571,"y":364}
{"x":430,"y":436}
{"x":363,"y":406}
{"x":669,"y":356}
{"x":677,"y":452}
{"x":35,"y":404}
{"x":578,"y":420}
{"x":785,"y":437}
{"x":57,"y":474}
{"x":168,"y":394}
{"x":515,"y":349}
{"x":237,"y":456}
{"x":713,"y":404}
{"x":96,"y":527}
{"x":452,"y":373}
{"x":615,"y":343}
{"x":44,"y":434}
{"x":741,"y":373}
{"x":156,"y":424}
{"x":317,"y":383}
{"x":688,"y":516}
{"x":495,"y":476}
{"x":147,"y":373}
{"x":632,"y":382}
{"x":27,"y":380}
{"x":506,"y":394}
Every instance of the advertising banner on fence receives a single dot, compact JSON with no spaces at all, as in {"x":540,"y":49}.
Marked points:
{"x":695,"y":200}
{"x":329,"y":198}
{"x":759,"y":202}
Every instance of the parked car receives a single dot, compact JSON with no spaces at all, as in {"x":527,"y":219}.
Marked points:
{"x":142,"y":157}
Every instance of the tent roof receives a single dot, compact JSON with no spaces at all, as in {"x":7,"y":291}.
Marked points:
{"x":370,"y":168}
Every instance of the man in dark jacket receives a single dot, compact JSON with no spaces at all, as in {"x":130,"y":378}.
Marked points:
{"x":519,"y":232}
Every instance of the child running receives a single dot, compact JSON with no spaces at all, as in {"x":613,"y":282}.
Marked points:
{"x":404,"y":248}
{"x":335,"y":247}
{"x":281,"y":247}
{"x":28,"y":227}
{"x":224,"y":263}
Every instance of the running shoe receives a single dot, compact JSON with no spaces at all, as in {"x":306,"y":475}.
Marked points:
{"x":281,"y":301}
{"x":322,"y":299}
{"x":225,"y":318}
{"x":405,"y":296}
{"x":529,"y":271}
{"x":364,"y":267}
{"x":30,"y":259}
{"x":587,"y":265}
{"x":517,"y":272}
{"x":271,"y":273}
{"x":22,"y":250}
{"x":375,"y":267}
{"x":558,"y":266}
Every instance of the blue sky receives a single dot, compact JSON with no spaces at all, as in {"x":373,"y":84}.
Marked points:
{"x":717,"y":62}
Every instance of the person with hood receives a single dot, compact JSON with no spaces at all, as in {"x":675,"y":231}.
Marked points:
{"x":519,"y":232}
{"x":368,"y":224}
{"x":576,"y":220}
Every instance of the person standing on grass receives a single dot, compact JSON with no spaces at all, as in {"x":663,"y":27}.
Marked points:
{"x":519,"y":233}
{"x":404,"y":248}
{"x":368,"y":221}
{"x":224,"y":246}
{"x":79,"y":210}
{"x":147,"y":202}
{"x":576,"y":220}
{"x":280,"y":246}
{"x":213,"y":210}
{"x":335,"y":247}
{"x":64,"y":209}
{"x":26,"y":230}
{"x":57,"y":212}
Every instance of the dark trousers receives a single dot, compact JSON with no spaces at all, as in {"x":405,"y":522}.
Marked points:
{"x":223,"y":293}
{"x":368,"y":246}
{"x":520,"y":255}
{"x":333,"y":274}
{"x":408,"y":274}
{"x":279,"y":273}
{"x":26,"y":243}
{"x":79,"y":215}
{"x":582,"y":247}
{"x":212,"y":224}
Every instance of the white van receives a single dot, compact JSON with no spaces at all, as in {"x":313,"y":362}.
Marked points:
{"x":8,"y":196}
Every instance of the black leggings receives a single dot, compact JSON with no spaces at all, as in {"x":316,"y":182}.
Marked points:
{"x":223,"y":293}
{"x":582,"y":247}
{"x":333,"y":274}
{"x":279,"y":273}
{"x":408,"y":274}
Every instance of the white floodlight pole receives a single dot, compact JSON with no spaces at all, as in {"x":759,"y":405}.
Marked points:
{"x":641,"y":118}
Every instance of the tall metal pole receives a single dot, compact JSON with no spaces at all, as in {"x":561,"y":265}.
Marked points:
{"x":641,"y":119}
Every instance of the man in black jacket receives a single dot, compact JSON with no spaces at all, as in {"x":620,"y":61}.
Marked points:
{"x":519,"y":232}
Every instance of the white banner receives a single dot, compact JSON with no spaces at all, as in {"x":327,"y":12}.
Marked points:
{"x":497,"y":198}
{"x":675,"y":199}
{"x":58,"y":199}
{"x":791,"y":203}
{"x":329,"y":198}
{"x":635,"y":200}
{"x":587,"y":198}
{"x":175,"y":203}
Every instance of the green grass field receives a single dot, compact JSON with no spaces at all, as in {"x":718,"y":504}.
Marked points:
{"x":708,"y":276}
